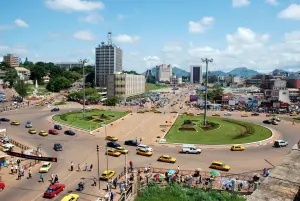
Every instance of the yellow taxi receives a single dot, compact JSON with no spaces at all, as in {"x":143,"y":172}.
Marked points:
{"x":215,"y":115}
{"x":237,"y":147}
{"x":107,"y":174}
{"x":293,"y":114}
{"x":32,"y":131}
{"x":245,"y":115}
{"x":43,"y":133}
{"x":37,"y":104}
{"x":219,"y":166}
{"x":167,"y":159}
{"x":122,"y":150}
{"x":144,"y":152}
{"x":16,"y":123}
{"x":111,"y":138}
{"x":45,"y":167}
{"x":113,"y":152}
{"x":70,"y":197}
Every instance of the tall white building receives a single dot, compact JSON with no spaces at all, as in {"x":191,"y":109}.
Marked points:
{"x":109,"y":60}
{"x":163,"y":72}
{"x":196,"y":74}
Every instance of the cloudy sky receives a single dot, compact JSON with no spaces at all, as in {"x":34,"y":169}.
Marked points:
{"x":258,"y":34}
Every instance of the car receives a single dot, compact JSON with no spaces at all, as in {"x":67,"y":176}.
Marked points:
{"x":15,"y":123}
{"x":144,"y":152}
{"x":43,"y":133}
{"x":215,"y":115}
{"x":53,"y":190}
{"x":276,"y":119}
{"x":255,"y":114}
{"x":167,"y":159}
{"x":237,"y":147}
{"x":280,"y":143}
{"x":53,"y":131}
{"x":131,"y":143}
{"x":142,"y":146}
{"x":7,"y":147}
{"x":45,"y":167}
{"x":5,"y":119}
{"x":56,"y":109}
{"x":268,"y":121}
{"x":274,"y":122}
{"x":113,"y":152}
{"x":70,"y":197}
{"x":107,"y":174}
{"x":227,"y":114}
{"x":219,"y":166}
{"x":112,"y":144}
{"x":69,"y":132}
{"x":2,"y":186}
{"x":57,"y":127}
{"x":111,"y":138}
{"x":122,"y":150}
{"x":31,"y":131}
{"x":28,"y":124}
{"x":57,"y":147}
{"x":245,"y":115}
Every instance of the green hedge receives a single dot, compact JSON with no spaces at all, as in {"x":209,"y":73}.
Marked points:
{"x":249,"y":129}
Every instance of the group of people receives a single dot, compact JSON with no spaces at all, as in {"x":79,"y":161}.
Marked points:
{"x":87,"y":167}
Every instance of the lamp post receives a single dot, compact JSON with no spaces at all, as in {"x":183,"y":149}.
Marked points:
{"x":98,"y":168}
{"x":83,"y":62}
{"x":104,"y":125}
{"x":206,"y":61}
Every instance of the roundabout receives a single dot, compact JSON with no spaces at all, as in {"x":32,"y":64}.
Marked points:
{"x":81,"y":149}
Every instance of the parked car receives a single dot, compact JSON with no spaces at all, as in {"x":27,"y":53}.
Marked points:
{"x":131,"y":143}
{"x":113,"y":144}
{"x":280,"y":143}
{"x":69,"y":132}
{"x":53,"y":190}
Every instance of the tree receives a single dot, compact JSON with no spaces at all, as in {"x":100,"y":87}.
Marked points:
{"x":57,"y":84}
{"x":4,"y":66}
{"x":130,"y":72}
{"x":11,"y":77}
{"x":38,"y":71}
{"x":90,"y":79}
{"x":216,"y":93}
{"x":27,"y":64}
{"x":71,"y":75}
{"x":21,"y":88}
{"x":111,"y":101}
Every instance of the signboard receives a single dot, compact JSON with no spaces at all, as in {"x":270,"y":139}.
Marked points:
{"x":3,"y":130}
{"x":193,"y":98}
{"x":284,"y":104}
{"x":38,"y":158}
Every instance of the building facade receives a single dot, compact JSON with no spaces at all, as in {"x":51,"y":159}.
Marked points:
{"x":293,"y":83}
{"x":109,"y":60}
{"x":69,"y":65}
{"x":196,"y":74}
{"x":23,"y":73}
{"x":163,"y":73}
{"x":11,"y":60}
{"x":123,"y":86}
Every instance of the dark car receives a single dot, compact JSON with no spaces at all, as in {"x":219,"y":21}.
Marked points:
{"x":267,"y":121}
{"x":255,"y":114}
{"x":69,"y":132}
{"x":56,"y":109}
{"x":57,"y":127}
{"x":5,"y":119}
{"x":112,"y":144}
{"x":57,"y":147}
{"x":131,"y":143}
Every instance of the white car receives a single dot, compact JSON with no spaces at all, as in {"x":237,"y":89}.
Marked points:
{"x":280,"y":143}
{"x":142,"y":146}
{"x":227,"y":114}
{"x":7,"y":147}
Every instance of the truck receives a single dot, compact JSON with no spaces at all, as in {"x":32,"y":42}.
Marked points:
{"x":190,"y":149}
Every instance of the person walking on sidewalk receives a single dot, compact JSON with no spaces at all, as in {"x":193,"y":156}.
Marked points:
{"x":29,"y":173}
{"x":72,"y":166}
{"x":42,"y":177}
{"x":91,"y":167}
{"x":86,"y":167}
{"x":131,"y":165}
{"x":78,"y":167}
{"x":94,"y":182}
{"x":12,"y":169}
{"x":115,"y":183}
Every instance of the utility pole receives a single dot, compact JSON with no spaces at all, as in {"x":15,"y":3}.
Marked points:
{"x":206,"y":61}
{"x":83,"y":62}
{"x":98,"y":168}
{"x":126,"y":171}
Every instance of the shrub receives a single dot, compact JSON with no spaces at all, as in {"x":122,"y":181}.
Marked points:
{"x":209,"y":126}
{"x":187,"y":129}
{"x":187,"y":122}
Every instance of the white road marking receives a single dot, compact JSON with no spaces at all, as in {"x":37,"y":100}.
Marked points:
{"x":139,"y":125}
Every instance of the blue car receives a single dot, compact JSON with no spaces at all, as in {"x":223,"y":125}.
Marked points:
{"x":112,"y":144}
{"x":69,"y":132}
{"x":57,"y":147}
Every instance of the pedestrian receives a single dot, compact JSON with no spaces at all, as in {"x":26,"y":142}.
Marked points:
{"x":56,"y":179}
{"x":177,"y":172}
{"x":293,"y":123}
{"x":16,"y":168}
{"x":52,"y":178}
{"x":141,"y":140}
{"x":112,"y":196}
{"x":29,"y":173}
{"x":115,"y":183}
{"x":19,"y":175}
{"x":72,"y":165}
{"x":91,"y":167}
{"x":42,"y":177}
{"x":78,"y":167}
{"x":12,"y":169}
{"x":86,"y":167}
{"x":131,"y":165}
{"x":94,"y":182}
{"x":107,"y":186}
{"x":136,"y":140}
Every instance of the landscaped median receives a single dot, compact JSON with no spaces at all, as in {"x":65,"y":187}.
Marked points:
{"x":93,"y":120}
{"x":218,"y":131}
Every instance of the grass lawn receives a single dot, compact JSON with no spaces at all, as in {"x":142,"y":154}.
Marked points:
{"x":75,"y":118}
{"x":150,"y":86}
{"x":226,"y":133}
{"x":42,"y":91}
{"x":59,"y":103}
{"x":291,"y":119}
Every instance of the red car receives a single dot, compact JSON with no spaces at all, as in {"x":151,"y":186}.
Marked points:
{"x":2,"y":186}
{"x":53,"y":190}
{"x":53,"y":131}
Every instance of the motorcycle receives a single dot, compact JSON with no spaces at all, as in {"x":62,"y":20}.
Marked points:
{"x":81,"y":186}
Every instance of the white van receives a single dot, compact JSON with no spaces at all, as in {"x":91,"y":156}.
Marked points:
{"x":190,"y":149}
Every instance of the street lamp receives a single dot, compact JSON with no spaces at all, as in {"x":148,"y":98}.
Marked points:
{"x":206,"y":60}
{"x":98,"y":168}
{"x":83,"y":62}
{"x":104,"y":125}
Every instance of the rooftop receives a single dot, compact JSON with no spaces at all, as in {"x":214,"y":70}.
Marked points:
{"x":21,"y":69}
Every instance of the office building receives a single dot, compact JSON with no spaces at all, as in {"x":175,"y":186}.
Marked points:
{"x":148,"y":73}
{"x":69,"y":65}
{"x":11,"y":60}
{"x":196,"y":74}
{"x":123,"y":86}
{"x":109,"y":60}
{"x":163,"y":73}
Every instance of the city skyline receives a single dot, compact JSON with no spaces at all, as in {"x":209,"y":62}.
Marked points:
{"x":260,"y":35}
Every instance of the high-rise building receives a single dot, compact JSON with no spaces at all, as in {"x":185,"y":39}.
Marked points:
{"x":109,"y":60}
{"x":163,"y":72}
{"x":148,"y":73}
{"x":11,"y":60}
{"x":196,"y":74}
{"x":69,"y":65}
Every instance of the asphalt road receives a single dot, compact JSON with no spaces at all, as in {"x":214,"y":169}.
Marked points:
{"x":82,"y":149}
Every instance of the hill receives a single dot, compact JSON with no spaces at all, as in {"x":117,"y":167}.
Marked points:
{"x":243,"y":72}
{"x":178,"y":72}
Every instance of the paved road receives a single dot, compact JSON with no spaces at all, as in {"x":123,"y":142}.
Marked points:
{"x":82,"y":148}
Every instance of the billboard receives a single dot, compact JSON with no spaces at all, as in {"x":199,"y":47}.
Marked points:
{"x":19,"y":155}
{"x":193,"y":98}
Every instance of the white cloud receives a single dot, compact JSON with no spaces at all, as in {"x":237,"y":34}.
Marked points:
{"x":124,"y":38}
{"x":84,"y":35}
{"x":151,"y":61}
{"x":293,"y":36}
{"x":74,"y":5}
{"x":92,"y":18}
{"x":200,"y":26}
{"x":292,"y":12}
{"x":171,"y":48}
{"x":21,"y":23}
{"x":122,"y":17}
{"x":5,"y":49}
{"x":272,"y":2}
{"x":240,"y":3}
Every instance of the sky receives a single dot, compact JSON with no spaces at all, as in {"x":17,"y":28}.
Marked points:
{"x":258,"y":34}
